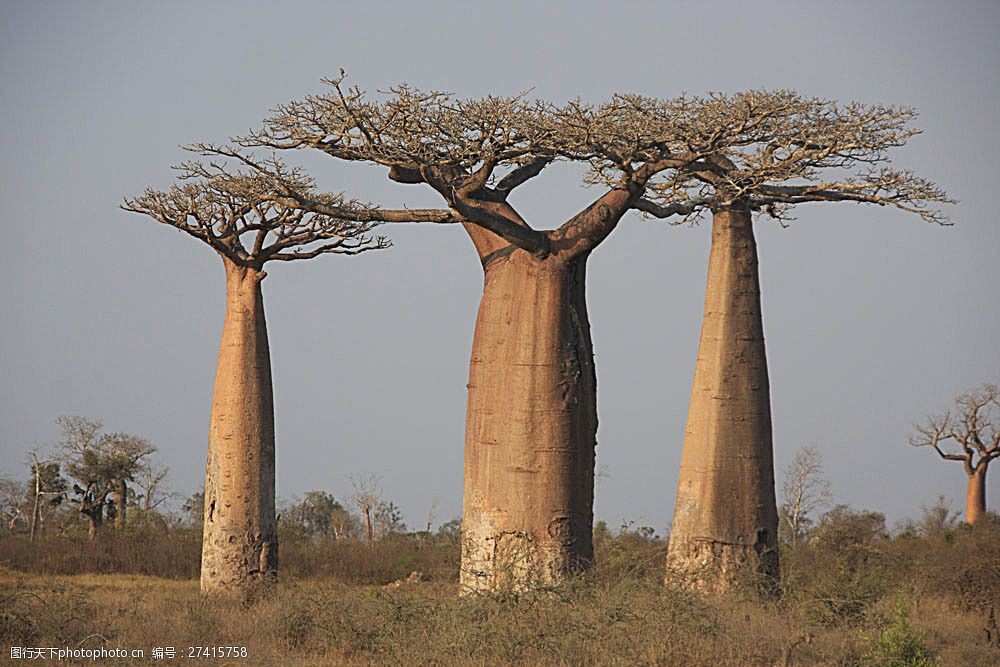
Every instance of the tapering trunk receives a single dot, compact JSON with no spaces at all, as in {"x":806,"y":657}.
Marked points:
{"x":975,"y":496}
{"x":121,"y":497}
{"x":725,"y":519}
{"x":240,"y":545}
{"x":531,"y":423}
{"x":95,"y":519}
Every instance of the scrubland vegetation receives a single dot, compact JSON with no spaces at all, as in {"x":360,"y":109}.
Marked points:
{"x":852,"y":594}
{"x":357,"y":587}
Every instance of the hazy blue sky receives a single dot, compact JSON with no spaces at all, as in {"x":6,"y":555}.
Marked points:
{"x":873,"y":318}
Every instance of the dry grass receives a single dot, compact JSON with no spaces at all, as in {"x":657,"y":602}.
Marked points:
{"x":618,"y":614}
{"x":588,"y":622}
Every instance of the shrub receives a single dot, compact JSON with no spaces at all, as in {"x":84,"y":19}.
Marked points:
{"x":898,"y":644}
{"x":843,"y":570}
{"x":963,"y":567}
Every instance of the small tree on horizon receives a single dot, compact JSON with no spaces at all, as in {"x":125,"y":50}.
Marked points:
{"x":936,"y":519}
{"x":388,"y":519}
{"x":103,"y":465}
{"x":150,"y":485}
{"x":319,"y":515}
{"x":803,"y":491}
{"x":367,"y":497}
{"x":13,"y":502}
{"x":969,"y":434}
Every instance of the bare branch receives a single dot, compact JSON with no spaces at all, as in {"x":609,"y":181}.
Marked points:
{"x":768,"y":150}
{"x":682,"y":208}
{"x":804,"y":491}
{"x":971,"y":427}
{"x":245,"y":214}
{"x":775,"y":149}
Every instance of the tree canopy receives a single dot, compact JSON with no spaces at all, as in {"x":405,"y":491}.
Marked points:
{"x":763,"y":150}
{"x":969,"y":433}
{"x":236,"y":212}
{"x":476,"y":152}
{"x":768,"y":150}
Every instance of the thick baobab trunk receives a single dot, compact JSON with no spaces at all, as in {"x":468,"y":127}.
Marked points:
{"x":975,"y":496}
{"x":240,"y":544}
{"x":121,"y":497}
{"x":531,"y":424}
{"x":725,"y":519}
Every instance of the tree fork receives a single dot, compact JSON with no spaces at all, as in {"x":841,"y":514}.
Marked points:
{"x":240,"y":544}
{"x":531,"y":427}
{"x":725,"y":518}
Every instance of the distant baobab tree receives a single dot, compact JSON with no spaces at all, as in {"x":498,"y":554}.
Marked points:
{"x":968,"y":434}
{"x":763,"y":152}
{"x":235,"y":213}
{"x":531,"y":414}
{"x":103,"y":465}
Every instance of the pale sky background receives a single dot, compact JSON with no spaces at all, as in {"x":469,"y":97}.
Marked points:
{"x":873,"y":318}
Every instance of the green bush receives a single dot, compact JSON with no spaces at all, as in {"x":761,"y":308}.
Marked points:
{"x":898,"y":644}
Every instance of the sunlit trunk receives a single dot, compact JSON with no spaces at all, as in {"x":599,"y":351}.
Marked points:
{"x":531,"y":425}
{"x":725,"y":519}
{"x":240,"y":545}
{"x":975,"y":496}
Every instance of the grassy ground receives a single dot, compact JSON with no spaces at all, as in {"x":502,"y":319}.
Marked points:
{"x":906,"y":601}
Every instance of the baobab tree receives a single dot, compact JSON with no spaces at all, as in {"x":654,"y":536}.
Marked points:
{"x":968,"y":434}
{"x":763,"y":152}
{"x":380,"y":517}
{"x":367,"y":497}
{"x":235,"y":214}
{"x":128,"y":454}
{"x":102,"y":465}
{"x":531,"y":413}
